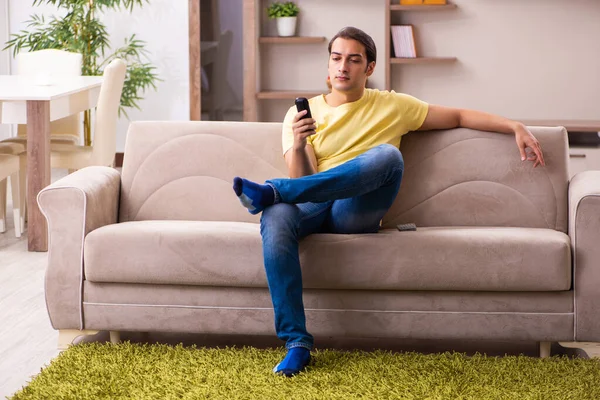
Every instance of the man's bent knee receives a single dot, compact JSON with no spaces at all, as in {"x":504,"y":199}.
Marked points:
{"x":390,"y":154}
{"x":279,"y":216}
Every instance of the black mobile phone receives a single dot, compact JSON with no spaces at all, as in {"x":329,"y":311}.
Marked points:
{"x":302,"y":104}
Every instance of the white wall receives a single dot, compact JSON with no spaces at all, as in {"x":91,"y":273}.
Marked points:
{"x":4,"y":31}
{"x":4,"y":56}
{"x":163,"y":24}
{"x":534,"y":59}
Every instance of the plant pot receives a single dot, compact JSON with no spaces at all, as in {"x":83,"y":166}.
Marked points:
{"x":286,"y":26}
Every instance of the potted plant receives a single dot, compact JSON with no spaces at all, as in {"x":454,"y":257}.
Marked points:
{"x":286,"y":14}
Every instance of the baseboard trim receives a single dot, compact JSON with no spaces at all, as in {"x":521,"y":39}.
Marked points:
{"x":119,"y":160}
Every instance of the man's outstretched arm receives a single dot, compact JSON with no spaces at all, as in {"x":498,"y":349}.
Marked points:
{"x":440,"y":117}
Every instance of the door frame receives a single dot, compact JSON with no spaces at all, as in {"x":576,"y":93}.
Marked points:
{"x":195,"y":62}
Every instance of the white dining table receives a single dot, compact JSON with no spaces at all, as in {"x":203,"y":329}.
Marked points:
{"x":36,"y":101}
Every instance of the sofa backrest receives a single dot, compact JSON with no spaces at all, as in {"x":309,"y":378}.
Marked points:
{"x":459,"y":177}
{"x":464,"y":177}
{"x":185,"y":170}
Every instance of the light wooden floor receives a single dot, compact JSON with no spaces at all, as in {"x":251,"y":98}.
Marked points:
{"x":28,"y":342}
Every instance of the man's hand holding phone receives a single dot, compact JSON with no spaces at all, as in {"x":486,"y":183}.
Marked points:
{"x":303,"y":125}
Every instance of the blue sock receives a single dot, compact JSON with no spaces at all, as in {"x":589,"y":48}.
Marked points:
{"x":253,"y":196}
{"x":294,"y":362}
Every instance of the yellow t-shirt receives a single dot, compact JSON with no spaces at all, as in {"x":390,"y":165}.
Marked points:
{"x":349,"y":130}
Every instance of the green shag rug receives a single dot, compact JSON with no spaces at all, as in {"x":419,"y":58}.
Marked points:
{"x":144,"y":371}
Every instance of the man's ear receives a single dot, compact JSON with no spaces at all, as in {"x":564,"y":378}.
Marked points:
{"x":370,"y":68}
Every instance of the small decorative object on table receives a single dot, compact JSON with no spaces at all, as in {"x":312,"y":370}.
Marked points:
{"x":440,"y":2}
{"x":286,"y":14}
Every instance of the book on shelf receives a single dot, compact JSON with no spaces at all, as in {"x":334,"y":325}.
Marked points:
{"x":403,"y":39}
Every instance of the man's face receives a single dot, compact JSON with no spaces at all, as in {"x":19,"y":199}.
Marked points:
{"x":348,"y":65}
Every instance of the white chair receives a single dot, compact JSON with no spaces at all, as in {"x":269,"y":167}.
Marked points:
{"x":11,"y":166}
{"x":16,"y":151}
{"x":104,"y":146}
{"x":43,"y":66}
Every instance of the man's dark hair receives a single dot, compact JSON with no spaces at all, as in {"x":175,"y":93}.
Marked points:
{"x":351,"y":32}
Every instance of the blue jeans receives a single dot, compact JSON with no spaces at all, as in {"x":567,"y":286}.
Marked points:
{"x":350,"y":198}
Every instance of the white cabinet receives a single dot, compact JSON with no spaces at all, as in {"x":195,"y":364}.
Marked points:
{"x":583,"y":159}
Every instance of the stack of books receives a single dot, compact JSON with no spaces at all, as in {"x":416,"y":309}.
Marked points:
{"x":404,"y":41}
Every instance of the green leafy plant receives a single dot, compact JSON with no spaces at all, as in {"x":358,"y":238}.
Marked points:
{"x":81,"y":31}
{"x":283,"y":9}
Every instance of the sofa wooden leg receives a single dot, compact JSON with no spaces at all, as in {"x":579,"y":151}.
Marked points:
{"x":115,"y":337}
{"x":592,"y":349}
{"x":545,"y":349}
{"x":67,"y":336}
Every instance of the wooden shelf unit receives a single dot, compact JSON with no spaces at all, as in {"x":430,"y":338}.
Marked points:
{"x":389,"y":60}
{"x":422,"y":60}
{"x":253,"y":41}
{"x":422,"y":7}
{"x":291,"y":39}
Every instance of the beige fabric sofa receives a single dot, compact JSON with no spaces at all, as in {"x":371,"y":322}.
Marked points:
{"x":502,"y":251}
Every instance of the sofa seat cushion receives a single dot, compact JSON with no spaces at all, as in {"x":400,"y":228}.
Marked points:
{"x":212,"y":253}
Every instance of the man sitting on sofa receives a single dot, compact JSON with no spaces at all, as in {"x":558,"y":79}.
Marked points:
{"x":345,"y":168}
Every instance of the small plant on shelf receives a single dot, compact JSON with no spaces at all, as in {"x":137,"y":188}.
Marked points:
{"x":286,"y":14}
{"x":280,"y":9}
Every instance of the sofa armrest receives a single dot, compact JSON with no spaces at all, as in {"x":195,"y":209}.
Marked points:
{"x":74,"y":206}
{"x":584,"y":231}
